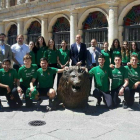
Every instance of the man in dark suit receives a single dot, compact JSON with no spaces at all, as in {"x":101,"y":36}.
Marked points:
{"x":5,"y":50}
{"x":78,"y":52}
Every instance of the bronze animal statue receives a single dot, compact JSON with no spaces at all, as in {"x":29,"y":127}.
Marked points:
{"x":74,"y":87}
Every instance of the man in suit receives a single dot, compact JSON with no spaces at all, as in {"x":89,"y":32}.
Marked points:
{"x":5,"y":50}
{"x":78,"y":52}
{"x":93,"y":53}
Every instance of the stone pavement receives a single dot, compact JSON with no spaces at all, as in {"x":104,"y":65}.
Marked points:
{"x":96,"y":123}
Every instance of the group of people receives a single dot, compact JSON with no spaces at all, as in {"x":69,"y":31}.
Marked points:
{"x":35,"y":66}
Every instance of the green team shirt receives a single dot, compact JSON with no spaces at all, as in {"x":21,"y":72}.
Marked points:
{"x":51,"y":55}
{"x":114,"y":53}
{"x":133,"y":75}
{"x":40,"y":54}
{"x":26,"y":74}
{"x":107,"y":57}
{"x":63,"y":55}
{"x":118,"y":75}
{"x":33,"y":57}
{"x":101,"y":77}
{"x":45,"y":78}
{"x":7,"y":78}
{"x":125,"y":58}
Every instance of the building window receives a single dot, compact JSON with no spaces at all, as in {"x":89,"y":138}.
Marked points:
{"x":132,"y":25}
{"x":33,"y":31}
{"x":61,"y":31}
{"x":12,"y":2}
{"x":95,"y":26}
{"x":12,"y":34}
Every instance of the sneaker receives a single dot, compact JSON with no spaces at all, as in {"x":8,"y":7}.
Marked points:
{"x":1,"y":106}
{"x":39,"y":101}
{"x":124,"y":104}
{"x":48,"y":108}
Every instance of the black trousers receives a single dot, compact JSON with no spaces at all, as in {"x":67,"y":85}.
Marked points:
{"x":16,"y":101}
{"x":115,"y":92}
{"x":130,"y":101}
{"x":106,"y":96}
{"x":27,"y":99}
{"x":16,"y":67}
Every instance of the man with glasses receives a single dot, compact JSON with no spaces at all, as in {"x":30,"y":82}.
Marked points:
{"x":8,"y":81}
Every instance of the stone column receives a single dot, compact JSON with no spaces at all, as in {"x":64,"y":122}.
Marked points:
{"x":121,"y":34}
{"x":19,"y":2}
{"x":1,"y":27}
{"x":26,"y":1}
{"x":2,"y":4}
{"x":73,"y":26}
{"x":44,"y":28}
{"x":113,"y":24}
{"x":19,"y":26}
{"x":50,"y":35}
{"x":7,"y":3}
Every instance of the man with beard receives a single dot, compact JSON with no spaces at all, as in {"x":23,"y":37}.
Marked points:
{"x":44,"y":76}
{"x":19,"y":50}
{"x":134,"y":79}
{"x":5,"y":50}
{"x":8,"y":80}
{"x":120,"y":83}
{"x":101,"y":79}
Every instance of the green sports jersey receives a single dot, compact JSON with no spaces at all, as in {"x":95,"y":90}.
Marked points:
{"x":107,"y":57}
{"x":133,"y":75}
{"x":45,"y":78}
{"x":63,"y":55}
{"x":125,"y":58}
{"x":118,"y":75}
{"x":40,"y":54}
{"x":26,"y":74}
{"x":113,"y":53}
{"x":51,"y":55}
{"x":7,"y":78}
{"x":101,"y":77}
{"x":33,"y":57}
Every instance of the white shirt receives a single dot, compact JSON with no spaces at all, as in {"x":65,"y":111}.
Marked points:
{"x":2,"y":49}
{"x":78,"y":47}
{"x":20,"y":51}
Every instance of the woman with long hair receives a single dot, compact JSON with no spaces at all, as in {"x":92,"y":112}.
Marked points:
{"x":41,"y":48}
{"x":106,"y":54}
{"x":63,"y":58}
{"x":32,"y":54}
{"x":125,"y":52}
{"x":134,"y":50}
{"x":51,"y":54}
{"x":115,"y":50}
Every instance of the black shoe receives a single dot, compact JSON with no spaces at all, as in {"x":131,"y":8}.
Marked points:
{"x":39,"y":101}
{"x":99,"y":102}
{"x":124,"y":104}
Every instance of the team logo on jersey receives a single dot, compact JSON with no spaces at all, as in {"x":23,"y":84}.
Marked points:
{"x":9,"y":74}
{"x":119,"y":72}
{"x":136,"y":73}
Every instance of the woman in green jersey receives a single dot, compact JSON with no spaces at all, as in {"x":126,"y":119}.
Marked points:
{"x":41,"y":48}
{"x":32,"y":54}
{"x":106,"y":54}
{"x":115,"y":50}
{"x":125,"y":52}
{"x":63,"y":57}
{"x":51,"y":54}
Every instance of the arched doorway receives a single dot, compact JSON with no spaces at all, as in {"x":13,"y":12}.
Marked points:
{"x":12,"y":34}
{"x":132,"y":25}
{"x":61,"y":31}
{"x":33,"y":31}
{"x":95,"y":26}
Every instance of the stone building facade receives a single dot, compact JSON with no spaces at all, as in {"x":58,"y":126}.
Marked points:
{"x":63,"y":19}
